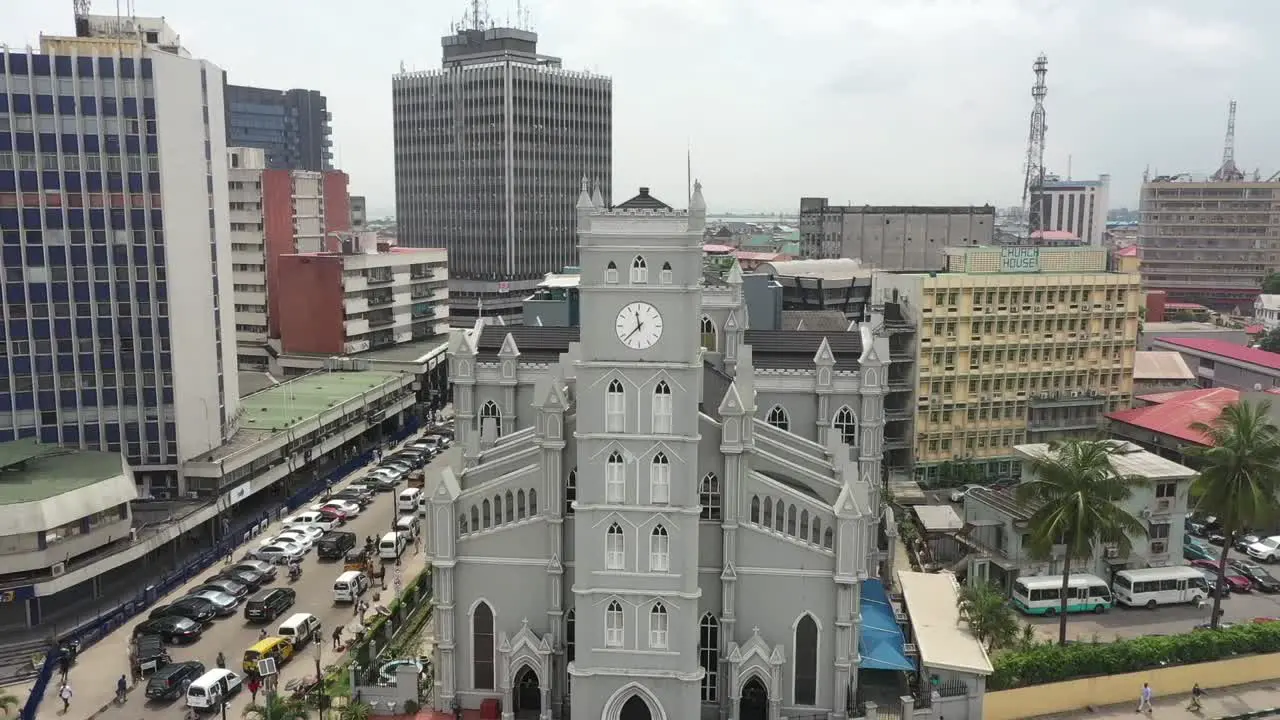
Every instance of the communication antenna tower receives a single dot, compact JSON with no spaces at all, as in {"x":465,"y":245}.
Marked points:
{"x":81,"y":10}
{"x":1033,"y":184}
{"x":1228,"y":172}
{"x":479,"y":14}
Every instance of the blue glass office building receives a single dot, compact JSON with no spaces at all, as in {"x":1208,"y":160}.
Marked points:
{"x":112,"y":217}
{"x":292,"y":126}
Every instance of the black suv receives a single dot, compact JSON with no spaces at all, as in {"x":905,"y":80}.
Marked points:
{"x":334,"y":545}
{"x":268,"y":604}
{"x":171,"y":681}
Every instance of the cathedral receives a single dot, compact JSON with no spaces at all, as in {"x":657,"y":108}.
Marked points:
{"x":661,"y":514}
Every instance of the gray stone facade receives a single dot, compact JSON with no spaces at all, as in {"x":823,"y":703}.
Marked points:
{"x":677,"y":531}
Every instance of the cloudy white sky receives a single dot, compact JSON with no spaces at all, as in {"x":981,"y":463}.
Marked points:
{"x":864,"y":101}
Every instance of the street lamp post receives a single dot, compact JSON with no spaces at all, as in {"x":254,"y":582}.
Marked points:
{"x":318,"y":644}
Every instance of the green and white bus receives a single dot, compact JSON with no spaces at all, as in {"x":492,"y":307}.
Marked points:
{"x":1041,"y":595}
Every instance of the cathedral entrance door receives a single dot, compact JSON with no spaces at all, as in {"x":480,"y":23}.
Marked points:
{"x":635,"y":708}
{"x":754,"y":704}
{"x":528,"y":695}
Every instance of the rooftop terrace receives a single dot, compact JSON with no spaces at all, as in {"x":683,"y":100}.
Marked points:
{"x":30,"y":472}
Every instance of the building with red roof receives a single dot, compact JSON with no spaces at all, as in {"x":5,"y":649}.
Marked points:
{"x":1218,"y":363}
{"x":1163,"y":422}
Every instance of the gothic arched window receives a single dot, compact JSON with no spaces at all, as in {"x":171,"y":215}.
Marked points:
{"x":778,"y":418}
{"x":615,"y":479}
{"x":491,"y":415}
{"x":662,"y":408}
{"x":805,"y":689}
{"x":509,"y":504}
{"x":615,"y":548}
{"x":666,"y":276}
{"x":639,"y":270}
{"x":755,"y":508}
{"x":709,"y":656}
{"x":846,"y":423}
{"x":660,"y":480}
{"x":482,"y":650}
{"x":611,"y":273}
{"x":614,"y":625}
{"x":475,"y":519}
{"x":570,"y":491}
{"x":659,"y":550}
{"x":709,"y":497}
{"x":708,"y":334}
{"x":570,"y":633}
{"x":615,"y":407}
{"x":659,"y":625}
{"x":484,"y":514}
{"x":828,"y":539}
{"x":520,"y":504}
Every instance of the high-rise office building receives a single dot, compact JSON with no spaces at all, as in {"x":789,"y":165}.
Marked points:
{"x":115,"y":237}
{"x":1078,"y":207}
{"x":292,"y":126}
{"x":1207,"y":241}
{"x":491,"y":151}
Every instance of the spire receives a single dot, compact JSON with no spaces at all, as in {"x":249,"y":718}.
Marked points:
{"x":697,"y":208}
{"x":584,"y":197}
{"x":597,"y":198}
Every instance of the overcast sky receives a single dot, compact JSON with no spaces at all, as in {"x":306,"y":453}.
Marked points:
{"x":863,"y":101}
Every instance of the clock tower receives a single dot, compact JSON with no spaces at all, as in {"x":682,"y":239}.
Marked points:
{"x":638,"y":387}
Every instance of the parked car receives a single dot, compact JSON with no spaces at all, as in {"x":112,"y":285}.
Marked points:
{"x":387,"y":482}
{"x":333,"y":515}
{"x":297,"y":536}
{"x":311,"y":518}
{"x":958,"y":494}
{"x":1193,"y":549}
{"x":1202,"y":525}
{"x":1211,"y":578}
{"x":334,"y":545}
{"x":222,"y":585}
{"x":198,"y":609}
{"x":1245,"y":538}
{"x":171,"y":681}
{"x":401,"y":466}
{"x":1258,"y":575}
{"x":280,"y":553}
{"x":1235,"y":581}
{"x":414,"y":458}
{"x":269,"y":604}
{"x":347,"y":507}
{"x":265,"y":568}
{"x":1266,"y":550}
{"x":251,"y":579}
{"x":350,"y":496}
{"x":224,"y":604}
{"x":170,"y":628}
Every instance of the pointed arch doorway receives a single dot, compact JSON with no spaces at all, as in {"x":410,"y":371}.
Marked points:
{"x":754,"y":703}
{"x":635,"y":708}
{"x":528,"y":694}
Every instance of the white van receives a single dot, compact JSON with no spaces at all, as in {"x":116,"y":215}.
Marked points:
{"x":391,"y":545}
{"x":407,"y":525}
{"x":407,"y":501}
{"x":422,"y":505}
{"x":208,"y":690}
{"x":299,"y":629}
{"x":349,"y":586}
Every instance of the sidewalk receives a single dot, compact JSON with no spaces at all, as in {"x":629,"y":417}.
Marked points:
{"x":1240,"y":701}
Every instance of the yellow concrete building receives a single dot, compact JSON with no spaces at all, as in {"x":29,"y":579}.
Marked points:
{"x":1015,"y":345}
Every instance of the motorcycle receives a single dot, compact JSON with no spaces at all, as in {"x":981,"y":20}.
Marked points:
{"x":295,"y":572}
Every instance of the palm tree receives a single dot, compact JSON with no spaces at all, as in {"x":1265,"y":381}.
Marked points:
{"x":277,"y":707}
{"x":989,"y":617}
{"x":9,"y":702}
{"x":1239,"y":475}
{"x":1076,"y":498}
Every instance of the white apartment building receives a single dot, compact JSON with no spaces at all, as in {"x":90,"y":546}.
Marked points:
{"x":248,"y":255}
{"x":1078,"y":206}
{"x":1266,"y":310}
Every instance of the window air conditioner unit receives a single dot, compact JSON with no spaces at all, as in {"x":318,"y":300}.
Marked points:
{"x":58,"y":569}
{"x":1159,"y":547}
{"x":1163,"y":504}
{"x":1112,"y":552}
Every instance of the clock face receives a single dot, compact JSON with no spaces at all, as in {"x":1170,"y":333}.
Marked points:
{"x":639,"y":325}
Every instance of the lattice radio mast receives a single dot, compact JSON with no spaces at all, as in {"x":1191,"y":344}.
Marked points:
{"x":1033,"y":184}
{"x":1228,"y":172}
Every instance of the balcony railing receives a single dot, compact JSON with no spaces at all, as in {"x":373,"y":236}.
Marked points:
{"x":380,"y":319}
{"x":421,"y":274}
{"x":379,"y":300}
{"x":1067,"y":398}
{"x":378,"y":277}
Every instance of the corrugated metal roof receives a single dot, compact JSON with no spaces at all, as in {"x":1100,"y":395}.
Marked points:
{"x":832,"y":268}
{"x":938,"y":518}
{"x":1160,"y":365}
{"x":1128,"y":460}
{"x":1224,"y":349}
{"x":1173,"y":413}
{"x":794,"y":349}
{"x":822,"y":320}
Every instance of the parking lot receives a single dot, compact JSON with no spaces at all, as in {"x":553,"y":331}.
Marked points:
{"x":94,"y":675}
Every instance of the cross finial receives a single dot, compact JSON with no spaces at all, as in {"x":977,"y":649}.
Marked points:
{"x":755,"y":630}
{"x":524,"y":622}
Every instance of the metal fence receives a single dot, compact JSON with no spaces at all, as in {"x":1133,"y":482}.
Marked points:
{"x":108,"y":620}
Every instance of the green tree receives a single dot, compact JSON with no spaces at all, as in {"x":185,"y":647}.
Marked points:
{"x":277,"y":707}
{"x":1271,"y":283}
{"x":1239,"y":474}
{"x":989,"y":617}
{"x":9,"y":702}
{"x":954,"y":473}
{"x":1076,"y":495}
{"x":1270,"y":341}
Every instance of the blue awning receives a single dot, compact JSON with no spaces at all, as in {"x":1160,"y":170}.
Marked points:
{"x":881,"y":641}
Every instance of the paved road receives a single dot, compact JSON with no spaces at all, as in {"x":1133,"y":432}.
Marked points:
{"x":94,"y":676}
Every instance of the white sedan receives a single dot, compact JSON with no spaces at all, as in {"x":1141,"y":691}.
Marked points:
{"x":280,"y":553}
{"x":311,"y":533}
{"x":310,"y":518}
{"x":958,"y":494}
{"x":291,"y":536}
{"x":347,"y":507}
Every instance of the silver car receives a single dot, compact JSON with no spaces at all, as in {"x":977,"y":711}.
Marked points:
{"x":281,"y":553}
{"x":260,"y":566}
{"x":223,"y":603}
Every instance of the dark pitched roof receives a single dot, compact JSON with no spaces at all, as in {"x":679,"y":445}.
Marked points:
{"x":1005,"y":500}
{"x":831,"y":321}
{"x":643,"y":201}
{"x":794,"y":349}
{"x":535,"y":342}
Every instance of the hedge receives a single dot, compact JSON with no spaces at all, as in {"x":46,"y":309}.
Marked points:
{"x":1057,"y":663}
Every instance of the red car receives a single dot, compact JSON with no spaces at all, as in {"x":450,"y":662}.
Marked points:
{"x":1236,"y":583}
{"x":333,"y":514}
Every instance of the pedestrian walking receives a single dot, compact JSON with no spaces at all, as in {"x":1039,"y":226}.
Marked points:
{"x":64,"y":665}
{"x":337,"y":637}
{"x":417,"y":543}
{"x":64,"y":693}
{"x":254,"y":686}
{"x":1144,"y":700}
{"x":1196,"y":692}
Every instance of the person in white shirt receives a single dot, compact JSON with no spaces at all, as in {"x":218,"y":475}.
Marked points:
{"x":1144,"y":701}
